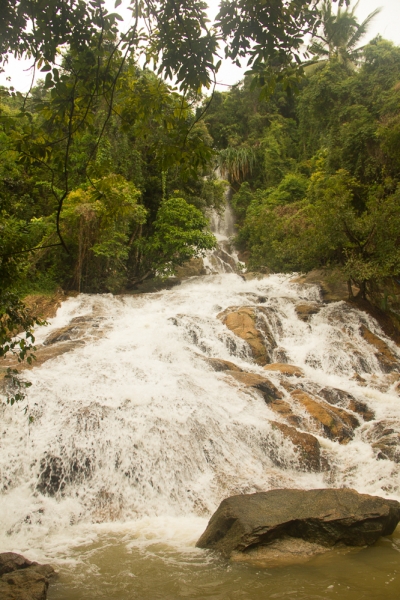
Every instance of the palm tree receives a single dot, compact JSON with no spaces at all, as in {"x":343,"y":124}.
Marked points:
{"x":236,"y":163}
{"x":339,"y":35}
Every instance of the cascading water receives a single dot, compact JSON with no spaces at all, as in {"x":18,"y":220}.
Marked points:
{"x":224,"y":258}
{"x":135,"y":440}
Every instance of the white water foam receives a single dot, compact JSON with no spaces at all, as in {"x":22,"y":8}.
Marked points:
{"x":134,"y":430}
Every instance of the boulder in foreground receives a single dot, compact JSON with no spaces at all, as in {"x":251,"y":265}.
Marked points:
{"x":21,"y":579}
{"x":321,"y":518}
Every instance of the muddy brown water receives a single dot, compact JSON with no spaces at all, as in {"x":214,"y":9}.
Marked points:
{"x":114,"y":570}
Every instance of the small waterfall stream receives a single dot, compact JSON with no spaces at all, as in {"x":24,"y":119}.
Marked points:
{"x":136,"y":439}
{"x":224,"y":258}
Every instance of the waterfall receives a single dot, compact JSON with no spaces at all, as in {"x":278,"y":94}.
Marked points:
{"x":224,"y":258}
{"x":133,"y":424}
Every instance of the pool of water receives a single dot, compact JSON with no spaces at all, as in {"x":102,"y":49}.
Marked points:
{"x":115,"y":567}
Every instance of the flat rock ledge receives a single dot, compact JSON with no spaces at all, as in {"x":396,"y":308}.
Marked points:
{"x":22,"y":579}
{"x":290,"y":526}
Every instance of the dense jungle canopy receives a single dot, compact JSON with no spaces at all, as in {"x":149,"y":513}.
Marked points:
{"x":109,"y":162}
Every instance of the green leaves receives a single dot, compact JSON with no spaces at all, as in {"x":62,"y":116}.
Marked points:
{"x":179,"y":236}
{"x":17,"y":340}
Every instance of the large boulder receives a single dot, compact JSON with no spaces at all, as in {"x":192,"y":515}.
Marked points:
{"x":22,"y":579}
{"x":245,"y":322}
{"x":325,"y":517}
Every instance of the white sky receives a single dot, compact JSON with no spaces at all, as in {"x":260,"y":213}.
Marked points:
{"x":387,"y":24}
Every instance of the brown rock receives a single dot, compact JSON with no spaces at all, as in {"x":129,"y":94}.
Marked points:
{"x":243,"y":256}
{"x":385,"y":356}
{"x":361,"y":409}
{"x":193,"y":268}
{"x":325,"y":517}
{"x":280,"y":553}
{"x":284,"y":410}
{"x":336,"y":423}
{"x":384,"y":437}
{"x":43,"y":354}
{"x":251,"y":275}
{"x":11,"y":561}
{"x":332,"y":283}
{"x":60,"y":341}
{"x":270,"y":393}
{"x":218,"y":364}
{"x":360,"y":380}
{"x":243,"y":322}
{"x":307,"y":446}
{"x":345,"y":400}
{"x":305,"y":310}
{"x":285,"y":369}
{"x":22,"y":579}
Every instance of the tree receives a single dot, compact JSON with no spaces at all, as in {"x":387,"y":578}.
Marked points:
{"x":178,"y":236}
{"x":236,"y":163}
{"x":56,"y":134}
{"x":339,"y":34}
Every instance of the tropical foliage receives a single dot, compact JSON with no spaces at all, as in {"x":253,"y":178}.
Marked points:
{"x":339,"y":34}
{"x":325,"y":183}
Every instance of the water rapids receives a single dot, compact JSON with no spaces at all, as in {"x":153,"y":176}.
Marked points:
{"x":134,"y":427}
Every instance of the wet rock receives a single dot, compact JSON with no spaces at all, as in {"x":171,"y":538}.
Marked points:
{"x":56,"y":472}
{"x":64,"y":334}
{"x":75,"y":330}
{"x":285,"y":369}
{"x":153,"y":285}
{"x":284,"y":410}
{"x":388,"y":361}
{"x":244,"y":322}
{"x":251,"y":275}
{"x":224,"y":259}
{"x":336,"y":423}
{"x":279,"y":553}
{"x":332,"y":284}
{"x":42,"y":355}
{"x":272,"y":396}
{"x":325,"y":517}
{"x":360,"y":380}
{"x":305,"y":310}
{"x":268,"y":390}
{"x":193,"y":268}
{"x":22,"y":579}
{"x":10,"y":561}
{"x":384,"y":437}
{"x":345,"y":400}
{"x":88,"y":419}
{"x":280,"y":356}
{"x":218,"y":364}
{"x":307,"y":446}
{"x":243,"y":256}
